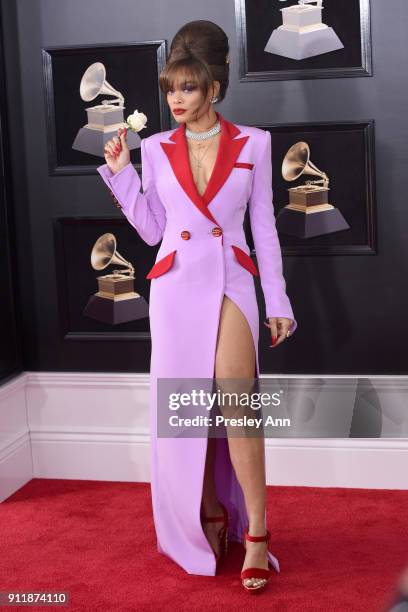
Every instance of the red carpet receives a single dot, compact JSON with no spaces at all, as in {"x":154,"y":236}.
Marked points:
{"x":339,"y":550}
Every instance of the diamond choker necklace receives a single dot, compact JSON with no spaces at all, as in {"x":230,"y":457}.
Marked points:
{"x":204,"y":135}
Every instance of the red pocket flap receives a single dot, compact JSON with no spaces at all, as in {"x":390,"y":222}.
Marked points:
{"x":245,"y":260}
{"x":243,"y":165}
{"x":162,"y":266}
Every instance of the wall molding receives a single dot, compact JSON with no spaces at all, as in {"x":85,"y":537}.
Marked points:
{"x":95,"y":426}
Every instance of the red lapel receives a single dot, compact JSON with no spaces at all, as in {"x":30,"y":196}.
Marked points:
{"x":228,"y":152}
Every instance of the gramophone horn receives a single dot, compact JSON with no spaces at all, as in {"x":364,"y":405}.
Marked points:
{"x":297,"y":162}
{"x":104,"y":253}
{"x":94,"y":83}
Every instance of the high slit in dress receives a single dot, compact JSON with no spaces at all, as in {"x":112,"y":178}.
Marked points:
{"x":202,"y":256}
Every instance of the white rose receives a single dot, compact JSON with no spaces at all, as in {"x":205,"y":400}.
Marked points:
{"x":137,"y":121}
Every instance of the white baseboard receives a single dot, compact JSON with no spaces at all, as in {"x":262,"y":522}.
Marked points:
{"x":364,"y":463}
{"x":15,"y":449}
{"x":95,"y":426}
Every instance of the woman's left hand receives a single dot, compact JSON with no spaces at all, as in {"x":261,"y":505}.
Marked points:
{"x":279,"y":327}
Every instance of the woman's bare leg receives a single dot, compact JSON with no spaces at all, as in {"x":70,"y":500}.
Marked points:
{"x":235,"y":359}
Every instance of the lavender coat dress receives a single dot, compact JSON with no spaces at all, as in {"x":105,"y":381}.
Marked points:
{"x":203,"y":255}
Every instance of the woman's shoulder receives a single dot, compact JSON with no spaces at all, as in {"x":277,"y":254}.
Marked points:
{"x":253,"y":131}
{"x":158,"y":136}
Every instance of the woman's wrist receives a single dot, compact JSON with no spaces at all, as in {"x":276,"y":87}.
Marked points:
{"x":122,"y":168}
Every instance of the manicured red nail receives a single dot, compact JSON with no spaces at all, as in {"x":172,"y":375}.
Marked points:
{"x":274,"y":339}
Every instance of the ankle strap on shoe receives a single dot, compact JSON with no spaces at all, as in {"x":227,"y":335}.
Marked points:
{"x":251,"y":538}
{"x":216,"y":519}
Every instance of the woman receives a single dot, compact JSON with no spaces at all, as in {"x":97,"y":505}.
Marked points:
{"x":197,"y":181}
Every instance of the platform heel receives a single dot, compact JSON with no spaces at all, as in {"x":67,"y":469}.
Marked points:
{"x":256,"y":572}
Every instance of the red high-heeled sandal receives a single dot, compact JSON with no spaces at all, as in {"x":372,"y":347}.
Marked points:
{"x":223,"y":532}
{"x":256,"y":572}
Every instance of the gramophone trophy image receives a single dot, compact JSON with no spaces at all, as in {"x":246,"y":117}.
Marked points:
{"x":302,"y":33}
{"x":308,"y":213}
{"x":104,"y":119}
{"x":116,"y":301}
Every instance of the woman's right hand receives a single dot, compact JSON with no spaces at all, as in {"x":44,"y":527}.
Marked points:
{"x":116,"y":152}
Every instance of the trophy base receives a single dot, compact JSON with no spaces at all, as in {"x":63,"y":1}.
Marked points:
{"x":302,"y":44}
{"x":92,"y":140}
{"x":114,"y":312}
{"x":302,"y":225}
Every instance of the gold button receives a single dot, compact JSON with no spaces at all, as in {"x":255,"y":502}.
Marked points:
{"x":216,"y":231}
{"x":185,"y":235}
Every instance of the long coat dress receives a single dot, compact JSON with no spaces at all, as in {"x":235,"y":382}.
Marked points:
{"x":203,"y":255}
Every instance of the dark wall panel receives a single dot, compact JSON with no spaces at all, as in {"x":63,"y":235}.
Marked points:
{"x":364,"y":330}
{"x":10,"y":340}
